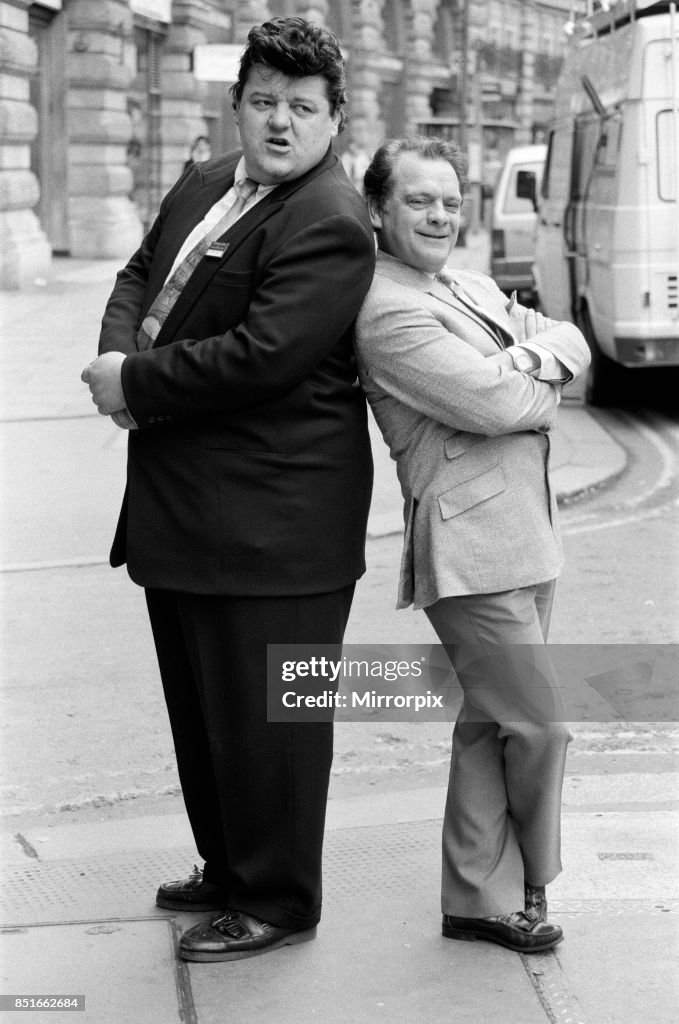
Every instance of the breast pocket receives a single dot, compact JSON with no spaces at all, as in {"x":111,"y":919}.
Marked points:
{"x":225,"y":300}
{"x":469,"y":493}
{"x":233,"y":278}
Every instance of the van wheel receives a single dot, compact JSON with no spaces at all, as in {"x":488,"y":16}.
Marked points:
{"x":603,"y":375}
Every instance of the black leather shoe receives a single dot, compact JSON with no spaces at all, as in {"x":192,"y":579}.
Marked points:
{"x":535,"y":902}
{"x":514,"y":931}
{"x":235,"y":936}
{"x":191,"y":893}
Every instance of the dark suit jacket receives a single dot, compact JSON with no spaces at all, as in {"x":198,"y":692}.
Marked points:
{"x":251,"y":472}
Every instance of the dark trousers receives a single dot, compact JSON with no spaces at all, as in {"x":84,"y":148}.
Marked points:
{"x":255,"y":791}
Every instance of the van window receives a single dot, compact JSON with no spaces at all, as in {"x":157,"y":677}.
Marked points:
{"x":514,"y":203}
{"x":667,"y":169}
{"x":609,"y":150}
{"x":556,"y":183}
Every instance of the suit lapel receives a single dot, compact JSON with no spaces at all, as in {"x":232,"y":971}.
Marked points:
{"x":208,"y":266}
{"x":458,"y":296}
{"x":213,"y":185}
{"x":216,"y":181}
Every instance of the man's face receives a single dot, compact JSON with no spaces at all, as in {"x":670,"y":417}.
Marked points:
{"x":421,"y":217}
{"x":285,"y":124}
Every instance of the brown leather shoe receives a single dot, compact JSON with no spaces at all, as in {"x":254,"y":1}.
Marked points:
{"x":235,"y":936}
{"x":535,"y":902}
{"x":191,"y":893}
{"x":514,"y":931}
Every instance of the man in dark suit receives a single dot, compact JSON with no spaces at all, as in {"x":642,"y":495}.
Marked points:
{"x":226,"y":351}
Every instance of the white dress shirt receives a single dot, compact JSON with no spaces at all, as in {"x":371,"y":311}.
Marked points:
{"x":216,"y":212}
{"x":550,"y":369}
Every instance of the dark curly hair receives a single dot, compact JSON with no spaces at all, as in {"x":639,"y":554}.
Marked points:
{"x":296,"y":48}
{"x":378,"y":181}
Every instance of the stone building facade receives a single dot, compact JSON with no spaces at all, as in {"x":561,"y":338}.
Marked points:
{"x":101,"y":99}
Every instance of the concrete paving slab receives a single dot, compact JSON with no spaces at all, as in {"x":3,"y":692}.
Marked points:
{"x":170,"y":831}
{"x":97,"y":839}
{"x":379,"y":953}
{"x":584,"y":454}
{"x":623,"y":967}
{"x":613,"y":854}
{"x":126,"y":972}
{"x":585,"y":799}
{"x":372,"y":963}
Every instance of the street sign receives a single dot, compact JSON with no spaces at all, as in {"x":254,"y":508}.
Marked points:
{"x":216,"y":62}
{"x":158,"y":10}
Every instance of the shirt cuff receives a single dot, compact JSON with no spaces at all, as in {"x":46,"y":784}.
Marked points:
{"x":551,"y":369}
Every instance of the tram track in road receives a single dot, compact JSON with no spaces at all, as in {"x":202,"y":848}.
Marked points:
{"x":647,"y":488}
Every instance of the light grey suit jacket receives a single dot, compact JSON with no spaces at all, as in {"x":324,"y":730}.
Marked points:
{"x":469,"y":432}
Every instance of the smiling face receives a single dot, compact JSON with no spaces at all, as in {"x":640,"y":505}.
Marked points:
{"x":285,"y":124}
{"x":420,"y":219}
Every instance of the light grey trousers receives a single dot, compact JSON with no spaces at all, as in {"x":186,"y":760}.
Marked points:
{"x":502,"y":823}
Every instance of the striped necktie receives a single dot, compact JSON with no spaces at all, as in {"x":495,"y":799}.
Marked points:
{"x":170,"y":292}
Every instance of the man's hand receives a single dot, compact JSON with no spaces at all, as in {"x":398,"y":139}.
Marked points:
{"x":528,"y":323}
{"x":104,"y":379}
{"x":536,"y":323}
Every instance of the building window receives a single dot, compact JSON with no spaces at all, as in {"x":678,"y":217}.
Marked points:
{"x":144,"y":151}
{"x":394,"y":26}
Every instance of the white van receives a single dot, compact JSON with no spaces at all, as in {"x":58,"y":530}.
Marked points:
{"x":607,"y":249}
{"x":514,"y":220}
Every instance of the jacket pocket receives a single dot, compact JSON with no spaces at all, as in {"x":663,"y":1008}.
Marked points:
{"x":458,"y":444}
{"x":235,"y":278}
{"x":469,"y":493}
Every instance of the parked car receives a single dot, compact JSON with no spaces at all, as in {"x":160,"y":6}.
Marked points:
{"x":514,"y":219}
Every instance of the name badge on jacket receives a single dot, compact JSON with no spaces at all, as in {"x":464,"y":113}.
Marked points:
{"x":217,"y":248}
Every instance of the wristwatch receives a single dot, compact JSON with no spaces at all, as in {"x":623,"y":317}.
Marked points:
{"x":525,"y":360}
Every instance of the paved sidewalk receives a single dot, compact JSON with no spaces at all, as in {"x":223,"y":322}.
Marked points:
{"x":76,"y":903}
{"x":78,"y":916}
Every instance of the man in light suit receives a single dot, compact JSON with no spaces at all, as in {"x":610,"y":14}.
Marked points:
{"x":226,"y":350}
{"x":467,"y":413}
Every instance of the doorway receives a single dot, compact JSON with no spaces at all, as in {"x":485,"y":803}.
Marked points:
{"x":48,"y":150}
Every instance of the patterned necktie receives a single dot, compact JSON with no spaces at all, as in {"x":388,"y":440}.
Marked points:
{"x":447,"y":278}
{"x":170,"y":292}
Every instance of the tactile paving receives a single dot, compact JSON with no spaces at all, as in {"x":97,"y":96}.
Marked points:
{"x":124,"y":885}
